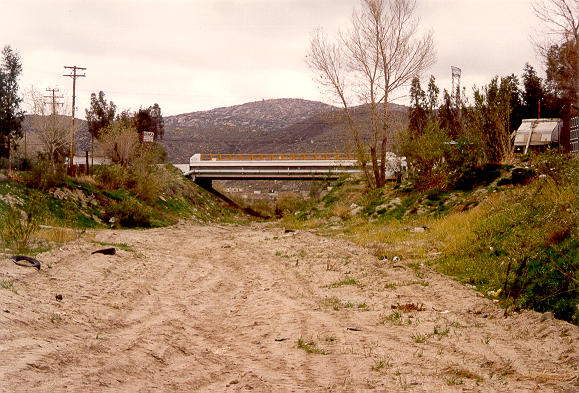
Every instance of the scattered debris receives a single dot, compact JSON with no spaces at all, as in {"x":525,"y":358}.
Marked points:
{"x":354,"y":329}
{"x":485,"y":315}
{"x":396,"y":259}
{"x":58,"y":297}
{"x":408,"y":307}
{"x":281,"y":339}
{"x":418,"y":229}
{"x":289,"y":230}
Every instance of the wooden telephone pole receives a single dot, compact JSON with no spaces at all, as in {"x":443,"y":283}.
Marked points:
{"x":53,"y":99}
{"x":74,"y":75}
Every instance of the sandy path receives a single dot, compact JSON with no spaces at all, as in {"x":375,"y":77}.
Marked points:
{"x":210,"y":308}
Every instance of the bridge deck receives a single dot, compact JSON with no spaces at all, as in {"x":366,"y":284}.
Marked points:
{"x":295,"y":166}
{"x":271,"y":169}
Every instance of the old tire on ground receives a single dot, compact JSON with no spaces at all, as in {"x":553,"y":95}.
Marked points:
{"x":105,"y":251}
{"x":32,"y":262}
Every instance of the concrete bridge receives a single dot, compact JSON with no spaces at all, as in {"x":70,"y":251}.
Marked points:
{"x":208,"y":167}
{"x":204,"y":168}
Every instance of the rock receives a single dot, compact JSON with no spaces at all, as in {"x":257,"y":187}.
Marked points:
{"x":356,"y":210}
{"x":485,"y":315}
{"x":419,"y":229}
{"x":58,"y":297}
{"x":60,"y":194}
{"x":546,"y":316}
{"x":396,"y":259}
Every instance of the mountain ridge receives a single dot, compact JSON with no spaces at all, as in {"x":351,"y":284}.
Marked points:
{"x":264,"y":115}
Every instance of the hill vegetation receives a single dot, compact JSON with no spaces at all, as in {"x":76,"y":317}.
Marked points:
{"x":513,"y":236}
{"x":36,"y":216}
{"x":309,"y":127}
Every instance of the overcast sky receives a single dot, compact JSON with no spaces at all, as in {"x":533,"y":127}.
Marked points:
{"x":189,"y":55}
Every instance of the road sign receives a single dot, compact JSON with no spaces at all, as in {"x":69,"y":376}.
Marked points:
{"x":148,"y":136}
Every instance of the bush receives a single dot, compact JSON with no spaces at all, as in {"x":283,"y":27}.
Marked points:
{"x":147,"y":180}
{"x":112,"y":176}
{"x":17,"y":227}
{"x":128,"y":212}
{"x":426,"y":156}
{"x":45,"y":174}
{"x":288,"y":203}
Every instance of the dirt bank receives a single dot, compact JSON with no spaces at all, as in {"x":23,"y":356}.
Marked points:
{"x":212,"y":308}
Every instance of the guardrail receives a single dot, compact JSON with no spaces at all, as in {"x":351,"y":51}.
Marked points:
{"x":277,"y":157}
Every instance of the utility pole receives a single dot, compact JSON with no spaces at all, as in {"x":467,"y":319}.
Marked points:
{"x":54,"y":97}
{"x":74,"y":75}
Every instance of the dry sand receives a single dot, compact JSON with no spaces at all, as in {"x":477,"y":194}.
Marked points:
{"x":214,"y":308}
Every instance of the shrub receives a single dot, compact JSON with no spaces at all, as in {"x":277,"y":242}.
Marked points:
{"x":112,"y":176}
{"x":426,"y":156}
{"x":288,"y":203}
{"x":17,"y":227}
{"x":45,"y":174}
{"x":129,"y":212}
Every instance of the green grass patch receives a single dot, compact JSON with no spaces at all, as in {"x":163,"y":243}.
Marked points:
{"x":341,"y":283}
{"x":310,"y":347}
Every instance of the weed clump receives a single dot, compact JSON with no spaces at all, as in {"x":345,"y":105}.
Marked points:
{"x":523,"y":242}
{"x":18,"y":226}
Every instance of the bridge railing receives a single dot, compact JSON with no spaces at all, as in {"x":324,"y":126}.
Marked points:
{"x":276,"y":157}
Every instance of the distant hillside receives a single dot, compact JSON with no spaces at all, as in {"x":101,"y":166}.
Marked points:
{"x":265,"y":115}
{"x":322,"y":132}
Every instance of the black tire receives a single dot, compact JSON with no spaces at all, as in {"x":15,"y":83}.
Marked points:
{"x":105,"y":251}
{"x":32,"y":262}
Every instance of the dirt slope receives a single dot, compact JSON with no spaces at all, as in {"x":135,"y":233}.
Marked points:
{"x":212,"y":308}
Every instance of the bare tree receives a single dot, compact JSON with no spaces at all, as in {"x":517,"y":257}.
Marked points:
{"x":50,"y":125}
{"x":559,"y":29}
{"x":377,"y":56}
{"x":120,"y":142}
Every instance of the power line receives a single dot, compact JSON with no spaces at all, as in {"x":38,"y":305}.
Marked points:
{"x":74,"y":75}
{"x":54,"y":90}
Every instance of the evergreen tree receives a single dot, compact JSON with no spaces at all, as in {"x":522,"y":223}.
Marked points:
{"x":11,"y":115}
{"x":433,"y":92}
{"x":533,"y":92}
{"x":151,"y":120}
{"x":100,"y":115}
{"x":417,"y":113}
{"x":449,"y":116}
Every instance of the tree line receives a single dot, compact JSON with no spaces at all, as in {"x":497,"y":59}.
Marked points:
{"x":120,"y":135}
{"x":382,"y":51}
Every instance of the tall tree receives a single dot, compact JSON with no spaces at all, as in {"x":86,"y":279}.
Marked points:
{"x":418,"y":112}
{"x":558,"y":43}
{"x":533,"y":92}
{"x":99,"y":116}
{"x":150,"y":120}
{"x":11,"y":115}
{"x":449,"y":116}
{"x":490,"y":117}
{"x":380,"y":54}
{"x":432,"y":93}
